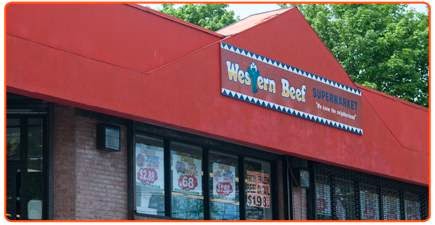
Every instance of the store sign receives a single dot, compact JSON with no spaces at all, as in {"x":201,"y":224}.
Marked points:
{"x":268,"y":83}
{"x":257,"y":189}
{"x":224,"y":181}
{"x":187,"y":174}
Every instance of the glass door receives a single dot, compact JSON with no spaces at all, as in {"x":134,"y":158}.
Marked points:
{"x":26,"y":183}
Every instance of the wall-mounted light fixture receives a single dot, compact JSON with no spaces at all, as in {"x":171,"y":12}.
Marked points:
{"x":108,"y":137}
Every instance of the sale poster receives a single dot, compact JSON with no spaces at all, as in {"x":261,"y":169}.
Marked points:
{"x":187,"y":174}
{"x":149,"y":166}
{"x":224,"y":181}
{"x":257,"y":189}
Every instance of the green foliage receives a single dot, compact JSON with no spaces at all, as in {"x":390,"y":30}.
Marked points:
{"x":382,"y":46}
{"x":209,"y":16}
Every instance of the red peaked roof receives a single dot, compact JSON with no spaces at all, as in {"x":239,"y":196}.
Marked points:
{"x":134,"y":62}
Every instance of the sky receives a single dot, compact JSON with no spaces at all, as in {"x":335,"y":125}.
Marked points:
{"x":244,"y":10}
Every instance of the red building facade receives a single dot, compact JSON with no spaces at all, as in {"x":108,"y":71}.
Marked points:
{"x":123,"y":108}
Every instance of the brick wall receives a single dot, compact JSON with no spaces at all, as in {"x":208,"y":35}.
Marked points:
{"x":64,"y":158}
{"x":101,"y":176}
{"x":89,"y":183}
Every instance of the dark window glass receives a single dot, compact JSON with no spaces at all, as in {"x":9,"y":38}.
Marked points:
{"x":13,"y":172}
{"x":412,"y":206}
{"x":258,"y":189}
{"x":369,"y":202}
{"x":224,"y":187}
{"x":323,"y":197}
{"x":13,"y":139}
{"x":149,"y":176}
{"x":15,"y":122}
{"x":35,"y":142}
{"x":344,"y":199}
{"x":32,"y":189}
{"x":391,"y":205}
{"x":186,"y":177}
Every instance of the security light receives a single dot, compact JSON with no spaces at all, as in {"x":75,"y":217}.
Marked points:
{"x":108,"y":137}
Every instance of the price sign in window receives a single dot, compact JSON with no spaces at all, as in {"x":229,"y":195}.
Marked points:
{"x":258,"y":189}
{"x":149,"y":176}
{"x":224,"y":187}
{"x":186,"y":168}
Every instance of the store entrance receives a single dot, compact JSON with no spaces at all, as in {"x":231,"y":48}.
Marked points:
{"x":26,"y":169}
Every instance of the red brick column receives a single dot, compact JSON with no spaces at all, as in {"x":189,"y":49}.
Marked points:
{"x":89,"y":183}
{"x":64,"y":163}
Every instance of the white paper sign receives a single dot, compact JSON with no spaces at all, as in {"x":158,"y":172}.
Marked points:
{"x":257,"y":189}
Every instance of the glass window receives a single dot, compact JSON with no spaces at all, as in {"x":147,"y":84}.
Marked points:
{"x":33,"y":179}
{"x":323,"y":197}
{"x":25,"y":181}
{"x":35,"y":141}
{"x":186,"y":176}
{"x":13,"y":139}
{"x":149,"y":175}
{"x":391,"y":205}
{"x":258,"y":189}
{"x":344,"y":201}
{"x":224,"y":187}
{"x":412,"y":206}
{"x":369,"y":202}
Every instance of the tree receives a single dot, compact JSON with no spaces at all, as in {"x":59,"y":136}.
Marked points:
{"x":209,"y":16}
{"x":382,"y":46}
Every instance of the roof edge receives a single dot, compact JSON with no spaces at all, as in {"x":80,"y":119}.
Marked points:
{"x":259,"y":13}
{"x":410,"y":104}
{"x":174,"y":19}
{"x":256,"y":14}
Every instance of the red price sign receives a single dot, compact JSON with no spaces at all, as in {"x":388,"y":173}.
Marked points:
{"x":147,"y":175}
{"x":187,"y":182}
{"x":224,"y":188}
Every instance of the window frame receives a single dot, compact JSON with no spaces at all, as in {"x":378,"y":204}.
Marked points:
{"x":176,"y":151}
{"x":133,"y":184}
{"x":273,"y":184}
{"x":210,"y":163}
{"x":418,"y":199}
{"x":46,"y":185}
{"x":206,"y":145}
